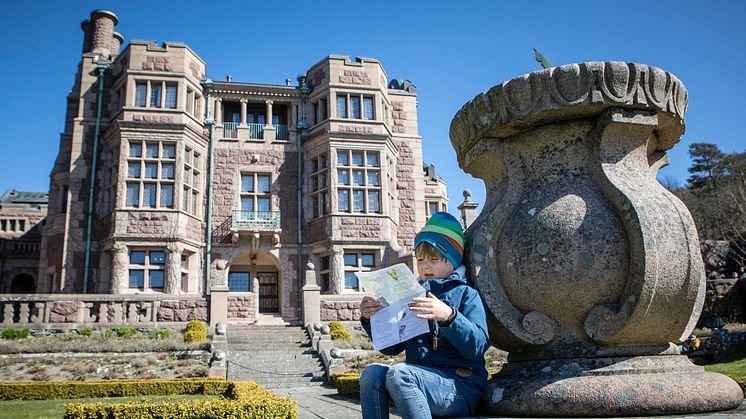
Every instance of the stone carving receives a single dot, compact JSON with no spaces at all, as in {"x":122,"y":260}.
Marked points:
{"x":156,"y":119}
{"x":356,"y":129}
{"x":589,"y":267}
{"x":157,"y":64}
{"x":355,"y":77}
{"x":220,"y":329}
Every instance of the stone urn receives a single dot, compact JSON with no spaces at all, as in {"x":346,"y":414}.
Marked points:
{"x":588,"y":266}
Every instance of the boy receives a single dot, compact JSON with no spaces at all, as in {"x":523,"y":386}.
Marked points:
{"x":443,"y":373}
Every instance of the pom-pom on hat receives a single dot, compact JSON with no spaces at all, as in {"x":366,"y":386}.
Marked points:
{"x":445,"y":233}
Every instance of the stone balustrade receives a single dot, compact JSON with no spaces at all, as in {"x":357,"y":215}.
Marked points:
{"x":74,"y":310}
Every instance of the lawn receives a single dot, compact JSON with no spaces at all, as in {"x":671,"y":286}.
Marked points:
{"x":733,"y":366}
{"x":55,"y":409}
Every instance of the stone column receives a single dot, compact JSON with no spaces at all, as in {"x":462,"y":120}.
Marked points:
{"x":173,"y":268}
{"x":336,"y":270}
{"x":311,"y":297}
{"x":270,"y":132}
{"x":119,"y":271}
{"x":219,"y":111}
{"x":590,"y":268}
{"x":243,"y":111}
{"x":268,"y":120}
{"x":243,"y":129}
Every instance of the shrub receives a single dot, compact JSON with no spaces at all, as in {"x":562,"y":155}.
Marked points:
{"x":28,"y":390}
{"x":196,"y":325}
{"x":85,"y":332}
{"x":245,"y":400}
{"x":14,"y":333}
{"x":107,"y":333}
{"x":334,"y":377}
{"x":160,"y":334}
{"x":196,"y":331}
{"x":337,"y":331}
{"x":349,"y":385}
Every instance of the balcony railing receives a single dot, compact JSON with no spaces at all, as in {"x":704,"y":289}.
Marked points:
{"x":230,"y":129}
{"x":256,"y":131}
{"x":282,"y":132}
{"x":255,"y":220}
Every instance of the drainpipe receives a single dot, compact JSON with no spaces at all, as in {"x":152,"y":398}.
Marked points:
{"x":89,"y":228}
{"x":305,"y":89}
{"x":211,"y":163}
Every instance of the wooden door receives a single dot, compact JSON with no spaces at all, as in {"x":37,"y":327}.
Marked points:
{"x":269,"y":291}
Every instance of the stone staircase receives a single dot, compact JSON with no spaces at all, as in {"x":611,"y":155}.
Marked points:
{"x":274,"y":356}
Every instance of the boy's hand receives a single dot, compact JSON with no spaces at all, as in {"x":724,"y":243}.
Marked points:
{"x":369,"y":306}
{"x":430,"y":308}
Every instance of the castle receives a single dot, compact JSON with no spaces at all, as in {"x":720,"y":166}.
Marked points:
{"x":176,"y":197}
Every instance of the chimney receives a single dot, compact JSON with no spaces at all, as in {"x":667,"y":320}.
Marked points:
{"x":103,"y":22}
{"x":288,"y":82}
{"x":87,"y":35}
{"x":116,"y":43}
{"x":229,"y":78}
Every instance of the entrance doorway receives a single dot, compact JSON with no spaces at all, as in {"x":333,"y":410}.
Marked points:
{"x":268,"y":292}
{"x":23,"y":284}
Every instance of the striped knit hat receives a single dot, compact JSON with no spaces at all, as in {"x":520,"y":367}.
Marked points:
{"x":445,"y":233}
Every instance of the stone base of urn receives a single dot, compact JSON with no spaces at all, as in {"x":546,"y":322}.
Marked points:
{"x":624,"y":386}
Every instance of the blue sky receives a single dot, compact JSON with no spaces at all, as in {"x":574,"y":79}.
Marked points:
{"x":450,"y":50}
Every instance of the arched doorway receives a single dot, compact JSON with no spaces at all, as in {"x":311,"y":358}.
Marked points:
{"x":258,"y":274}
{"x":23,"y":284}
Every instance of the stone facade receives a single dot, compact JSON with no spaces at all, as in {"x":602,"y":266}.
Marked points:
{"x":225,"y":190}
{"x":20,"y":235}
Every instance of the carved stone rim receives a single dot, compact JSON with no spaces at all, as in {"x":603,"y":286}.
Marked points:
{"x":568,"y":92}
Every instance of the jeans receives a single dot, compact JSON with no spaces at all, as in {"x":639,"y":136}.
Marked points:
{"x":416,"y":390}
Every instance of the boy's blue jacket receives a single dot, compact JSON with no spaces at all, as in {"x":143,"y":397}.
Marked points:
{"x":462,"y":343}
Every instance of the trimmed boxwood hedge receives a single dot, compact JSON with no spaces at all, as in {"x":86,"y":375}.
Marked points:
{"x":348,"y":384}
{"x":46,"y":390}
{"x":242,"y":399}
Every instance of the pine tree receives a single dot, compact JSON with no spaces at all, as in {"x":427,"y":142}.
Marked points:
{"x":707,"y":168}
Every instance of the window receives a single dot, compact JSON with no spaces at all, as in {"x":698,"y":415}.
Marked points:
{"x":358,"y":181}
{"x":150,"y":93}
{"x":192,"y":102}
{"x":341,"y":106}
{"x":150,"y":179}
{"x":192,"y":174}
{"x":319,"y":181}
{"x":239,"y":282}
{"x":324,"y":274}
{"x":319,"y":111}
{"x":147,"y":269}
{"x":357,"y":262}
{"x":353,"y":102}
{"x":141,"y":91}
{"x":368,"y":106}
{"x":255,"y":193}
{"x":155,"y":95}
{"x":171,"y":96}
{"x":432,"y":207}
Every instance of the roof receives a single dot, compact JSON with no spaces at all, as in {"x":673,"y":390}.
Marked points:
{"x":11,"y":196}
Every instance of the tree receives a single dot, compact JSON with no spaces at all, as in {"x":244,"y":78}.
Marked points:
{"x":707,"y":167}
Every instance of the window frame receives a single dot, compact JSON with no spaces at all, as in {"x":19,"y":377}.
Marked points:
{"x":358,"y":266}
{"x":146,"y":160}
{"x":146,"y":267}
{"x":351,"y":169}
{"x":255,"y":194}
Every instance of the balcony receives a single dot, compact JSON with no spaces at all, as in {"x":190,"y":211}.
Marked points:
{"x":282,"y":132}
{"x":255,"y":221}
{"x":256,"y":131}
{"x":230,"y":129}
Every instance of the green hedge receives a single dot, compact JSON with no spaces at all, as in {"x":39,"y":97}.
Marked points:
{"x":348,"y":385}
{"x":46,"y":390}
{"x":245,"y":400}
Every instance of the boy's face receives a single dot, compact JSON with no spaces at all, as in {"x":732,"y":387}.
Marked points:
{"x":431,"y":267}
